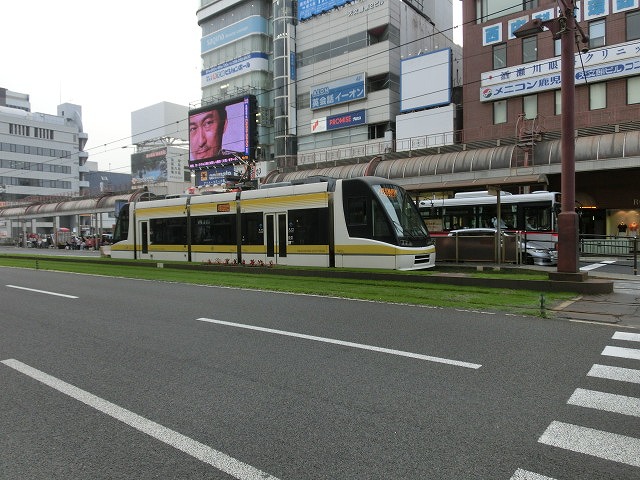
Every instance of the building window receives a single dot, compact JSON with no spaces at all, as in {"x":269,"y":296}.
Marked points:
{"x":530,"y":106}
{"x":633,"y":25}
{"x":15,"y":129}
{"x":382,"y":82}
{"x":304,"y":101}
{"x":633,"y":90}
{"x":597,"y":96}
{"x":377,"y":131}
{"x":499,"y":56}
{"x":530,"y":49}
{"x":558,"y":106}
{"x":384,"y":33}
{"x":557,"y":47}
{"x":500,"y":112}
{"x":596,"y":34}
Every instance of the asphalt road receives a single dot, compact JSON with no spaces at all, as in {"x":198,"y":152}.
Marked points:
{"x":117,"y":378}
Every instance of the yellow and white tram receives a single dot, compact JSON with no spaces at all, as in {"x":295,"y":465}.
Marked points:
{"x":365,"y":222}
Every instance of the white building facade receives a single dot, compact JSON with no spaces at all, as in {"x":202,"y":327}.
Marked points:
{"x":41,"y":155}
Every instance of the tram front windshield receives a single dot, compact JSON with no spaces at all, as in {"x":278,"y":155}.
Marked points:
{"x":403,"y":213}
{"x":121,"y":232}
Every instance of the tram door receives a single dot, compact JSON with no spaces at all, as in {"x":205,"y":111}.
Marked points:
{"x":276,"y":235}
{"x":144,"y":238}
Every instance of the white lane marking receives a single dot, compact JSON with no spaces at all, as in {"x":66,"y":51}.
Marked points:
{"x":521,"y":474}
{"x":417,"y":356}
{"x":593,"y":266}
{"x":615,"y":373}
{"x":202,"y":452}
{"x":622,"y":352}
{"x":609,"y":446}
{"x":632,"y":337}
{"x":42,"y":291}
{"x":609,"y":402}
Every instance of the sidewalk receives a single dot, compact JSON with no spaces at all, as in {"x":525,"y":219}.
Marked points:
{"x":622,"y":307}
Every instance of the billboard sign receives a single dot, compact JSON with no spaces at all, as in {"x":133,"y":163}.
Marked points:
{"x":597,"y":65}
{"x":223,"y":133}
{"x":346,"y":120}
{"x":319,"y":125}
{"x":344,"y":90}
{"x":214,"y":176}
{"x":254,"y":25}
{"x":309,"y":8}
{"x":425,"y":80}
{"x":150,"y":167}
{"x":250,"y":62}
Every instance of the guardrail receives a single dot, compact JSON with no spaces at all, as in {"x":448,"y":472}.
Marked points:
{"x":608,"y":245}
{"x":619,"y":247}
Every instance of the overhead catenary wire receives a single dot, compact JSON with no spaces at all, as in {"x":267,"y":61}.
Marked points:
{"x":266,"y":92}
{"x":117,"y":144}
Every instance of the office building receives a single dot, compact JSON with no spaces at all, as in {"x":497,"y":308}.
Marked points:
{"x":159,"y":161}
{"x":512,"y":102}
{"x":510,"y":137}
{"x":326,"y":76}
{"x":41,"y":155}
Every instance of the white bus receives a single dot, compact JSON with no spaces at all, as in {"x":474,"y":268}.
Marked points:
{"x":533,"y":214}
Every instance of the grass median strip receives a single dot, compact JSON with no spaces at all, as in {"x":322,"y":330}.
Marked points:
{"x":516,"y":300}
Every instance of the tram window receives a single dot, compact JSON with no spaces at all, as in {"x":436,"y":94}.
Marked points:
{"x":213,"y":230}
{"x":357,"y":218}
{"x":201,"y":231}
{"x":168,"y":231}
{"x":356,"y":211}
{"x":121,"y":231}
{"x":309,"y":226}
{"x":252,"y":229}
{"x":224,"y":230}
{"x":381,"y":229}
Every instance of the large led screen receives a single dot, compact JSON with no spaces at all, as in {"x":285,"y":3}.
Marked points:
{"x":220,"y":133}
{"x":149,"y":167}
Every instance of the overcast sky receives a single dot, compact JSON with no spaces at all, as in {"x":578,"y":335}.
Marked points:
{"x":111,"y":58}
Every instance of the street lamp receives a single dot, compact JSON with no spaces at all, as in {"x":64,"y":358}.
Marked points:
{"x":566,"y":29}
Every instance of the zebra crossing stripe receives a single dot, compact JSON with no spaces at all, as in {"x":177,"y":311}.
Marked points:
{"x":598,"y":443}
{"x":615,"y":373}
{"x":608,"y":402}
{"x":621,"y":352}
{"x":609,"y":446}
{"x":521,"y":474}
{"x":632,"y":337}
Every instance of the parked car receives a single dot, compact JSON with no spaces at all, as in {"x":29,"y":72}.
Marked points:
{"x":536,"y":253}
